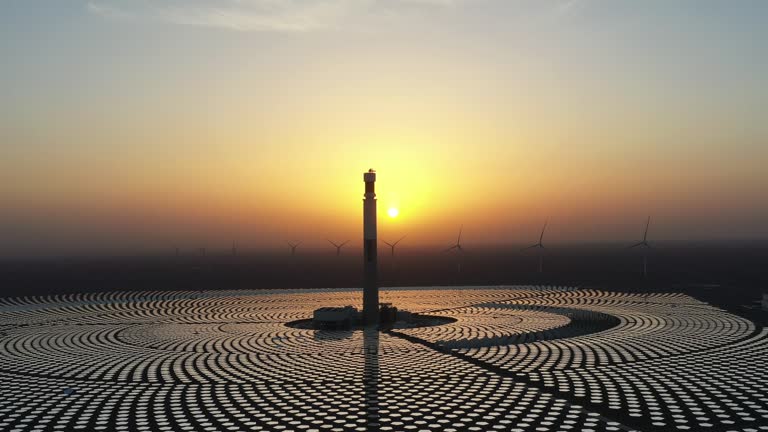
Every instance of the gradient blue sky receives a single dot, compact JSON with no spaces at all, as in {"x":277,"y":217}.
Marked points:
{"x":134,"y":125}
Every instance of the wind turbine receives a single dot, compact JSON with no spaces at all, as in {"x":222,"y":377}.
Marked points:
{"x":338,"y":246}
{"x":457,"y":246}
{"x":293,"y":247}
{"x":645,"y":245}
{"x":540,"y":246}
{"x":392,"y":245}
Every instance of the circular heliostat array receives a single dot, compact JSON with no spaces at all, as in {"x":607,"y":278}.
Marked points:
{"x":507,"y":358}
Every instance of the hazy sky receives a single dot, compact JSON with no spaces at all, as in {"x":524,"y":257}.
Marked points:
{"x":131,"y":125}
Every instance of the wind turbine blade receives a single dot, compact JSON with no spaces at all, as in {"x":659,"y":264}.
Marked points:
{"x":529,"y":247}
{"x":635,"y":245}
{"x":331,"y":242}
{"x":389,"y":244}
{"x":344,"y":243}
{"x":450,"y":248}
{"x":401,"y":239}
{"x":647,"y":224}
{"x":541,"y":237}
{"x":458,"y":240}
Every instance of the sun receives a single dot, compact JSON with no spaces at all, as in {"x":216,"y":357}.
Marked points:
{"x":393,"y":212}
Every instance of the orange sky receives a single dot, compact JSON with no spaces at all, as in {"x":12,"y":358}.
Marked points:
{"x":128,"y":132}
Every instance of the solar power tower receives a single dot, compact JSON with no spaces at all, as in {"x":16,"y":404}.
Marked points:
{"x":371,"y":287}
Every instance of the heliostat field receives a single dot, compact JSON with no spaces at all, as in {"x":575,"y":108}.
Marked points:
{"x":517,"y":358}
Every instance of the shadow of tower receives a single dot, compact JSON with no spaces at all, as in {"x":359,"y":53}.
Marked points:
{"x":371,"y":377}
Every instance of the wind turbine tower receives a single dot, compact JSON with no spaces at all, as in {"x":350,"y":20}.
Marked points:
{"x":370,"y":258}
{"x":645,"y":245}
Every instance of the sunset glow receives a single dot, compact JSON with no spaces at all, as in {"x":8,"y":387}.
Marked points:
{"x":131,"y":130}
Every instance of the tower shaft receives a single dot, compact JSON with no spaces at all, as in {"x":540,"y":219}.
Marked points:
{"x":370,"y":255}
